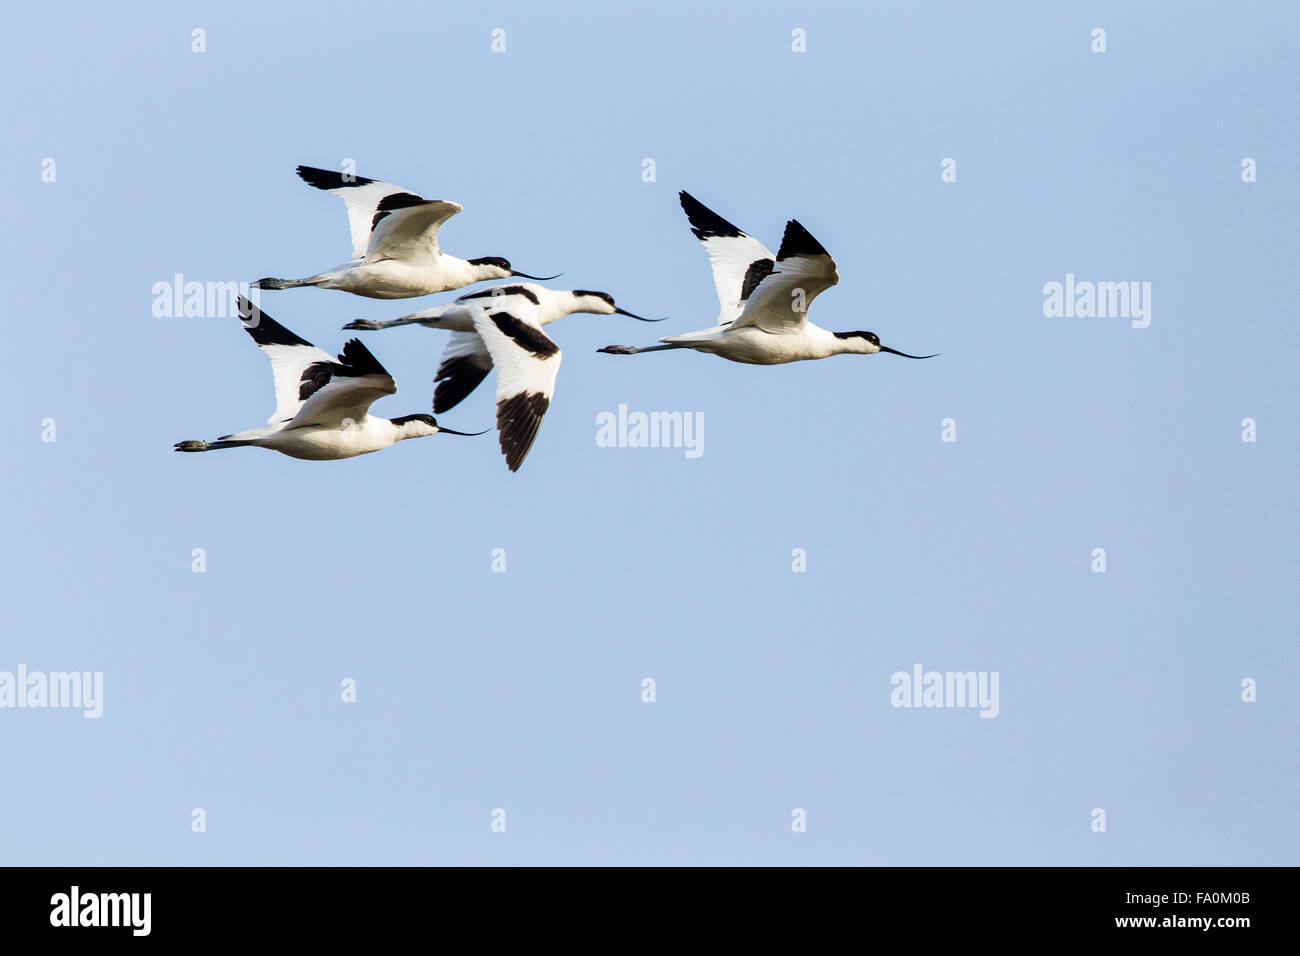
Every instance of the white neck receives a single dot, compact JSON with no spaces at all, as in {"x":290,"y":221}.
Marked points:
{"x":562,"y":305}
{"x":557,"y":304}
{"x":854,"y":345}
{"x":412,"y":429}
{"x":466,"y":273}
{"x":551,"y":303}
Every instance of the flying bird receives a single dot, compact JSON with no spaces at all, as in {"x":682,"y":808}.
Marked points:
{"x":764,"y":298}
{"x":322,"y":405}
{"x":502,"y":327}
{"x":395,"y":252}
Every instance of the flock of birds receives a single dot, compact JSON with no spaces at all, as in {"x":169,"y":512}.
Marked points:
{"x":322,"y":407}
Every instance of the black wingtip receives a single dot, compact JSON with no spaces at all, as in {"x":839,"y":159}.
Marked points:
{"x":705,"y":223}
{"x":329,"y":178}
{"x":518,"y":419}
{"x":798,"y":241}
{"x":359,"y":359}
{"x":456,"y":378}
{"x":263,"y":329}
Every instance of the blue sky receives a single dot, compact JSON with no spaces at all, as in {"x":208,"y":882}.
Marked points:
{"x":523,"y":690}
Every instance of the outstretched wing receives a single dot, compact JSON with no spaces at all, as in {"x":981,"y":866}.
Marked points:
{"x":527,"y":362}
{"x":409,"y":230}
{"x":465,"y":363}
{"x":294,"y":360}
{"x":803,"y":270}
{"x":343,"y":390}
{"x":739,"y":261}
{"x":385,"y":220}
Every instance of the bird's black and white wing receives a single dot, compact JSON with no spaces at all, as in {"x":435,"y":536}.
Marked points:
{"x":465,"y":363}
{"x":335,"y":392}
{"x":803,"y":270}
{"x":739,"y":261}
{"x":527,"y":362}
{"x":466,"y":360}
{"x":386,"y":221}
{"x":294,"y":360}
